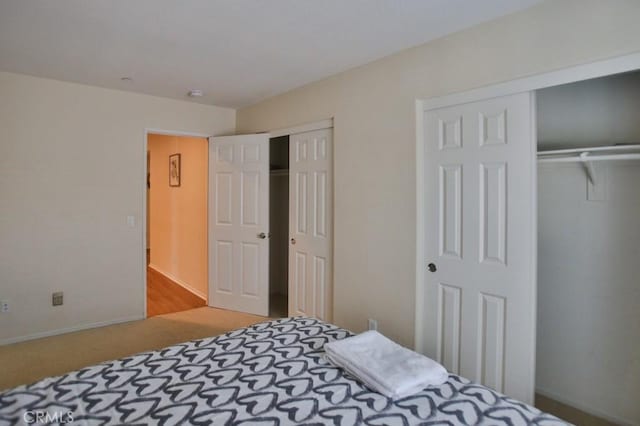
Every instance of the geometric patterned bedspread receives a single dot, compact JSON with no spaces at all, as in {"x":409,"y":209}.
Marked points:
{"x":272,"y":373}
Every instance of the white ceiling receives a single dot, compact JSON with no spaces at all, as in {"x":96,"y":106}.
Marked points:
{"x":237,"y":51}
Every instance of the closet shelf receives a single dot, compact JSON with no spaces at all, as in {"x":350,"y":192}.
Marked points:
{"x":615,"y":148}
{"x":587,"y":156}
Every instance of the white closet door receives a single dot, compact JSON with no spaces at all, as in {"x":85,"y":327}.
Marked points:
{"x":239,"y":223}
{"x":480,"y":242}
{"x":310,"y":224}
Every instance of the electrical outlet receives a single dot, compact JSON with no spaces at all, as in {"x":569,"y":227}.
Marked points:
{"x":4,"y":306}
{"x":373,"y":324}
{"x":57,"y":298}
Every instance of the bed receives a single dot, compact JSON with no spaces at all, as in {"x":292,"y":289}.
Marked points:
{"x":271,"y":373}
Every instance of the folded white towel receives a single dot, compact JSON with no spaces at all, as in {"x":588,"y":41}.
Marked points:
{"x":385,"y":366}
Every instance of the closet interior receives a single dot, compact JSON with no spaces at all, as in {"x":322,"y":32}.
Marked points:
{"x":588,"y":330}
{"x":279,"y":226}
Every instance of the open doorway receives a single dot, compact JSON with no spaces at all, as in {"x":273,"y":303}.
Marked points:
{"x":176,"y":223}
{"x":279,"y":226}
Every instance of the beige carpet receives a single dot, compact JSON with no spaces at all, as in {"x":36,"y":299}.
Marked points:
{"x":30,"y":361}
{"x":568,"y":413}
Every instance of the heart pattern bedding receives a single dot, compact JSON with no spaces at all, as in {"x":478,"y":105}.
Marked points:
{"x":272,"y":373}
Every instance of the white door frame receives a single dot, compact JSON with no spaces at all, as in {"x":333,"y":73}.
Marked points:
{"x":573,"y":74}
{"x":302,"y":128}
{"x":145,"y":146}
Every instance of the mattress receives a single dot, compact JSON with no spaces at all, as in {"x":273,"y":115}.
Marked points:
{"x":272,"y":373}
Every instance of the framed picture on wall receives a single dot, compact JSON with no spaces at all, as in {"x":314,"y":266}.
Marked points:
{"x":174,"y":170}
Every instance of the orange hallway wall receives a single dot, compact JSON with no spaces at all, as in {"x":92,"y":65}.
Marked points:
{"x":178,"y":215}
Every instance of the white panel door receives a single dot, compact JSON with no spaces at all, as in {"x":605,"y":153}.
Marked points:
{"x":310,"y":224}
{"x":239,"y":223}
{"x":480,"y":295}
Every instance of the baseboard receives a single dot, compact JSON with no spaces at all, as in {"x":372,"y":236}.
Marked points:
{"x":182,"y":284}
{"x":58,"y":331}
{"x":583,"y":407}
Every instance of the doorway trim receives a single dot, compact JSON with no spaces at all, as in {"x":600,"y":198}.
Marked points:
{"x":307,"y":127}
{"x":603,"y":68}
{"x":145,"y":171}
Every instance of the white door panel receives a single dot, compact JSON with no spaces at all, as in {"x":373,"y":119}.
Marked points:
{"x":310,"y":226}
{"x":238,"y":214}
{"x":480,"y":233}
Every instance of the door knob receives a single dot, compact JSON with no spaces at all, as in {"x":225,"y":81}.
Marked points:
{"x":262,"y":235}
{"x":293,"y":241}
{"x":432,"y":267}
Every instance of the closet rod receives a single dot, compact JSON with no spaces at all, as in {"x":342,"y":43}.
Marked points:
{"x":592,"y":149}
{"x":577,"y":159}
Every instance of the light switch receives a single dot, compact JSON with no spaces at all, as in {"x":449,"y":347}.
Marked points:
{"x":131,"y":221}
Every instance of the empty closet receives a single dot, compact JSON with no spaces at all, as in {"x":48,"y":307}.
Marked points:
{"x":588,"y":326}
{"x":279,"y":226}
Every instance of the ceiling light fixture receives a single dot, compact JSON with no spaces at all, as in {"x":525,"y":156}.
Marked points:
{"x":126,"y":79}
{"x":196,"y":93}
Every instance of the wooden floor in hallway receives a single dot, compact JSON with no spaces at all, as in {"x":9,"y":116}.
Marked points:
{"x":164,"y":296}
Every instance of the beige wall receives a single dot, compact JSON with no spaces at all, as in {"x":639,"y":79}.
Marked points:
{"x":178,"y":215}
{"x":374,"y":116}
{"x":71,"y":171}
